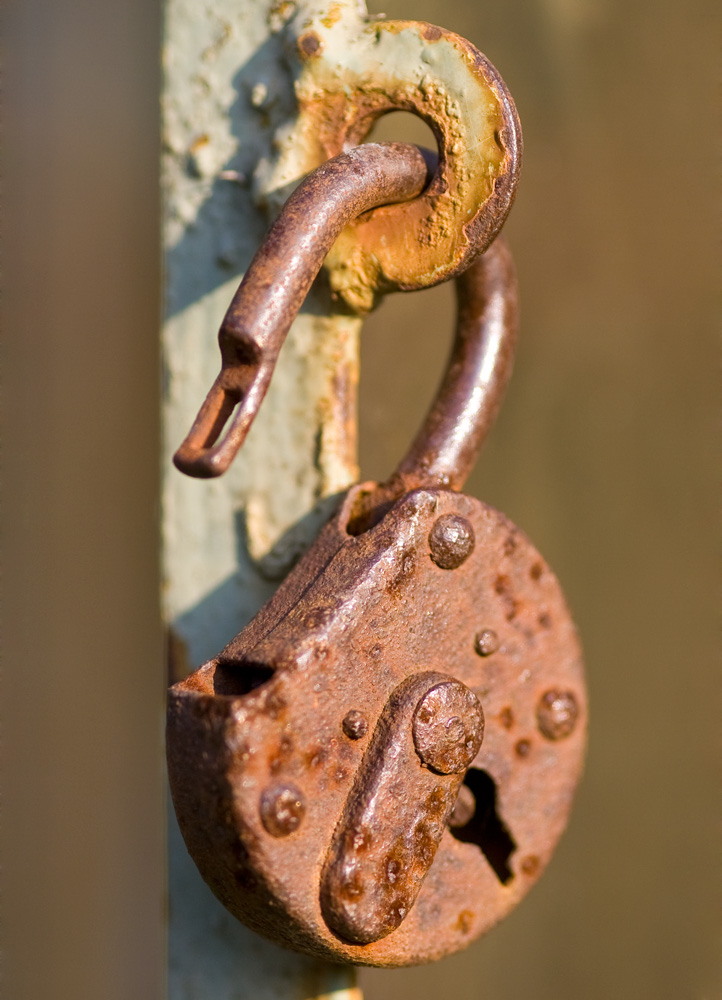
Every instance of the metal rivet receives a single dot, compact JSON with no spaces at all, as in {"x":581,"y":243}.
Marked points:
{"x":486,"y":642}
{"x":557,"y":714}
{"x":355,"y":725}
{"x":309,"y":45}
{"x":448,"y":727}
{"x":451,"y":541}
{"x":282,"y":809}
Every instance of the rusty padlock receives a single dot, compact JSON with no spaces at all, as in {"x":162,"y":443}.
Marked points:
{"x":377,"y":768}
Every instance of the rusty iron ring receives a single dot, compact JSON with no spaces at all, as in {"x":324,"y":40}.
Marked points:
{"x":275,"y":286}
{"x":346,"y":83}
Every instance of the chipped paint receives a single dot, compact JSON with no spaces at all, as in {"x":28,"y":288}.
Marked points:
{"x":350,"y":71}
{"x":242,"y":125}
{"x":228,"y":94}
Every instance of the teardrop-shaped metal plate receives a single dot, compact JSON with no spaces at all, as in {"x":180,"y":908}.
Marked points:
{"x":266,"y":741}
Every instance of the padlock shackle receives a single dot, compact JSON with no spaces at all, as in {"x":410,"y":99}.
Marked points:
{"x":278,"y":280}
{"x":468,"y":399}
{"x":479,"y":367}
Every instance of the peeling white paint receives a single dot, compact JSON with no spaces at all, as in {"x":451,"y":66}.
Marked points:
{"x":235,"y":147}
{"x":228,"y":97}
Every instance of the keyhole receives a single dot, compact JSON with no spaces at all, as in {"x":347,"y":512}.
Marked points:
{"x":486,"y":828}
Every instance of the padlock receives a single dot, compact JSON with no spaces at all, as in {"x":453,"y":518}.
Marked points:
{"x":378,"y":767}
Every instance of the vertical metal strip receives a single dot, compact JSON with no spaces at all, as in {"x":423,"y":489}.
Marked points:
{"x":228,"y":91}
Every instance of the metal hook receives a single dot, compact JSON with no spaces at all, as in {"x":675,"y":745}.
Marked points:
{"x":278,"y":280}
{"x":274,"y":288}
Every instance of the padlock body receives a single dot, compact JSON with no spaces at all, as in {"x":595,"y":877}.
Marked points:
{"x":268,"y":741}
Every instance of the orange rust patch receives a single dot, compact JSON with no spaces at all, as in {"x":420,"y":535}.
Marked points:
{"x":530,"y":864}
{"x":309,"y":45}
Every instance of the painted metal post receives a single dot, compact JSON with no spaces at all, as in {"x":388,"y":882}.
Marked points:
{"x":228,"y":100}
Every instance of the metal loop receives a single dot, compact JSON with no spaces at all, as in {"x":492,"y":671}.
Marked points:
{"x":469,"y":396}
{"x":353,"y":69}
{"x":274,"y":288}
{"x":278,"y":280}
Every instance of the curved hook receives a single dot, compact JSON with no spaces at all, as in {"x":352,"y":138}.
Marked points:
{"x":354,"y":69}
{"x":278,"y":280}
{"x":471,"y":390}
{"x":274,"y":288}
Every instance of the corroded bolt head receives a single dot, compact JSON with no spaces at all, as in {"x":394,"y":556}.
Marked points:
{"x":355,"y":725}
{"x":448,"y":727}
{"x":451,"y":541}
{"x":486,"y":642}
{"x":309,"y":45}
{"x":556,"y":714}
{"x":282,"y":809}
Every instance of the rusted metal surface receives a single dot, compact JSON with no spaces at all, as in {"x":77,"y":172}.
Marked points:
{"x":557,"y":714}
{"x":448,"y":727}
{"x":351,"y":70}
{"x":385,"y":842}
{"x":360,"y":616}
{"x":273,"y":290}
{"x":302,"y":733}
{"x":321,"y":765}
{"x":277,"y":282}
{"x":468,"y":399}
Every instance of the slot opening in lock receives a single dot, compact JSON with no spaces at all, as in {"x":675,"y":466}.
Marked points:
{"x":237,"y":679}
{"x":485,"y":828}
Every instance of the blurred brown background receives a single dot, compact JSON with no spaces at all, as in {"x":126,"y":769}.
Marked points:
{"x":603,"y":454}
